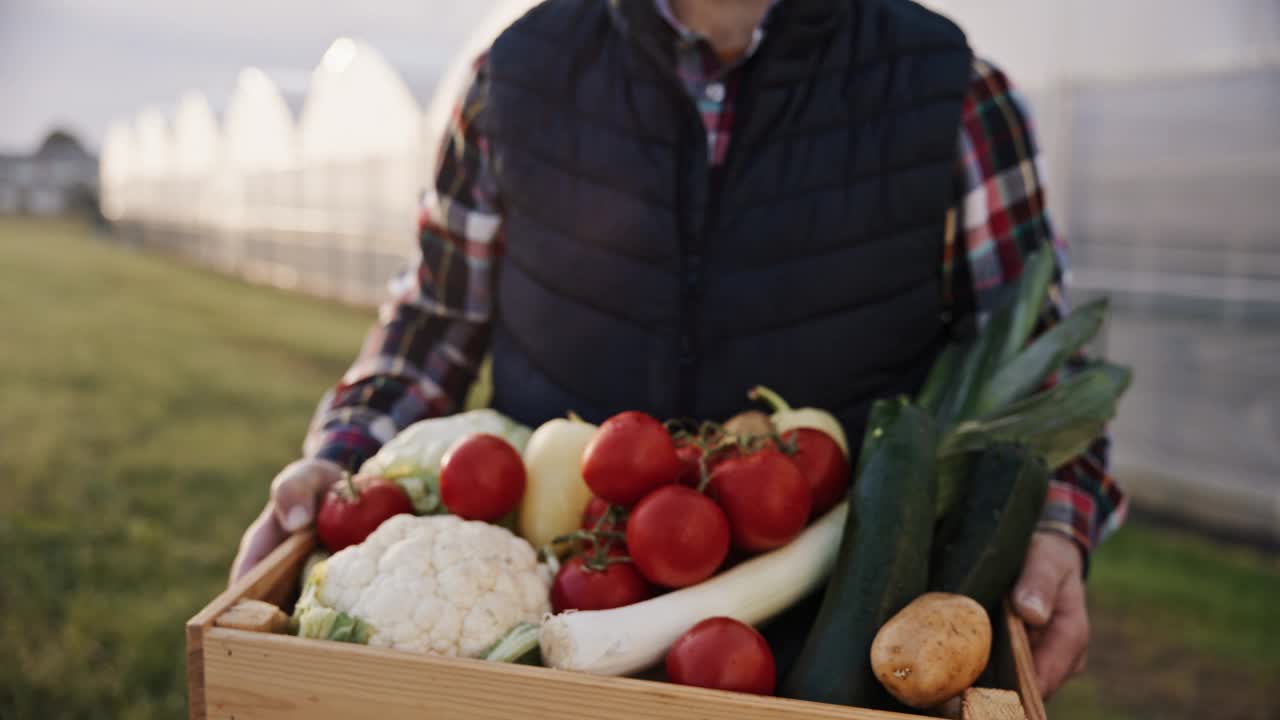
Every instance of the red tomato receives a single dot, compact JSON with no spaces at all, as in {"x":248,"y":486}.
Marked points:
{"x":353,"y":510}
{"x":578,"y":588}
{"x":481,"y":478}
{"x":823,"y":464}
{"x":596,"y":509}
{"x":630,"y":456}
{"x":765,"y":497}
{"x":689,"y":455}
{"x":677,"y":536}
{"x":724,"y":654}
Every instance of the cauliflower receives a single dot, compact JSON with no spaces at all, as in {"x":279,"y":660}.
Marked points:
{"x":435,"y":584}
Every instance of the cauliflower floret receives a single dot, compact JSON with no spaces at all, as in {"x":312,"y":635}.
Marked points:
{"x":437,"y":584}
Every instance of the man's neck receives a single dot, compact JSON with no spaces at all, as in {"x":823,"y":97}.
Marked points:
{"x":727,"y":24}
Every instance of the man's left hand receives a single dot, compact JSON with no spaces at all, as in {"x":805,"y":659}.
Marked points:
{"x":1050,"y":598}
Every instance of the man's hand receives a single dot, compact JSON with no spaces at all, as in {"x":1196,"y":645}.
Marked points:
{"x":295,"y":493}
{"x":1050,"y":598}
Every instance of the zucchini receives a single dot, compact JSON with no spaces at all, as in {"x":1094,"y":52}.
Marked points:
{"x":954,"y":473}
{"x":979,"y":548}
{"x":882,"y":564}
{"x":786,"y":633}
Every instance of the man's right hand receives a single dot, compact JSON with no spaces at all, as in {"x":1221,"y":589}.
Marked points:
{"x":295,"y":494}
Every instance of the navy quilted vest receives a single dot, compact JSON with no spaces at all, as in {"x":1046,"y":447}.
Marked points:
{"x":636,"y":278}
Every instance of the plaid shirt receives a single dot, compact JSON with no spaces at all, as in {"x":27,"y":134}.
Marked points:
{"x":420,"y":358}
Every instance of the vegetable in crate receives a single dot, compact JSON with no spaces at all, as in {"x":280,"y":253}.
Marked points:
{"x":555,"y":493}
{"x":436,"y":584}
{"x":481,"y":478}
{"x":615,"y":519}
{"x":750,"y":424}
{"x":412,"y":458}
{"x":629,"y":639}
{"x":583,"y":585}
{"x":354,"y":508}
{"x":787,"y":418}
{"x":724,"y":654}
{"x":933,"y":649}
{"x":883,"y":562}
{"x":677,"y":536}
{"x":979,"y":548}
{"x":764,"y":496}
{"x":631,"y":455}
{"x":816,"y":443}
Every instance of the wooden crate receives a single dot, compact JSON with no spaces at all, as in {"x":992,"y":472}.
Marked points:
{"x":240,"y":675}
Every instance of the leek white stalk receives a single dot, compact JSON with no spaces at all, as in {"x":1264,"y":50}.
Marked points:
{"x":629,"y":639}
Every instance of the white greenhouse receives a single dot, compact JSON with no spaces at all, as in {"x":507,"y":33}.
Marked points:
{"x":117,"y":174}
{"x":360,"y":167}
{"x":194,"y":168}
{"x":257,"y":185}
{"x":153,"y":148}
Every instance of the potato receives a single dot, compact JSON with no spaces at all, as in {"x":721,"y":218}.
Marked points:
{"x":933,"y":649}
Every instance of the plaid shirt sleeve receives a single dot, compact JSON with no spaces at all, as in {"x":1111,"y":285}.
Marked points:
{"x":426,"y":349}
{"x":1002,"y":219}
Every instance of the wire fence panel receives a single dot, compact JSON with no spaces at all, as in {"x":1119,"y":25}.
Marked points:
{"x":1172,"y":205}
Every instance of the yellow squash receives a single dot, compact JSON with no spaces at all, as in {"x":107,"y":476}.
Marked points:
{"x":555,"y":493}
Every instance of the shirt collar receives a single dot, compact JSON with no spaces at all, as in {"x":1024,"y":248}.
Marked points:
{"x":689,"y":36}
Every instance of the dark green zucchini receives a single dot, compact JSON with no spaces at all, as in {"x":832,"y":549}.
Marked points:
{"x":979,"y":548}
{"x":787,"y":633}
{"x":883,"y":561}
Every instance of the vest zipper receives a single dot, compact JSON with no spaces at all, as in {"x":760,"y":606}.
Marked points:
{"x":694,"y":231}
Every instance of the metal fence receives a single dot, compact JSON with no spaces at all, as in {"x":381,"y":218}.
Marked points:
{"x":1171,"y":198}
{"x":340,"y":230}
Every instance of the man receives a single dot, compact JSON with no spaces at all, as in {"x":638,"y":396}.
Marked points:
{"x":655,"y":204}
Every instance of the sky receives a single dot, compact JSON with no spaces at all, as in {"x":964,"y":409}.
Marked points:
{"x":82,"y":63}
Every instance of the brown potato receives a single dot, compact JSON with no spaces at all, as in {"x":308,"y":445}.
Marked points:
{"x":933,"y":649}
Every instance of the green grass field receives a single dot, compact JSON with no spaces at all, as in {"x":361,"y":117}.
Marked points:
{"x":146,"y":404}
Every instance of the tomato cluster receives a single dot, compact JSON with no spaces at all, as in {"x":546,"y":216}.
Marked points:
{"x":688,"y":500}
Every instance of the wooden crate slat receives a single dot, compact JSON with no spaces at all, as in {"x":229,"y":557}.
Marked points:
{"x":1024,"y":665}
{"x":255,"y":675}
{"x":991,"y":704}
{"x":233,"y":674}
{"x":269,"y":580}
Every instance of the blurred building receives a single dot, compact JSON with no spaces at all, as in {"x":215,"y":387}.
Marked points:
{"x":61,"y":176}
